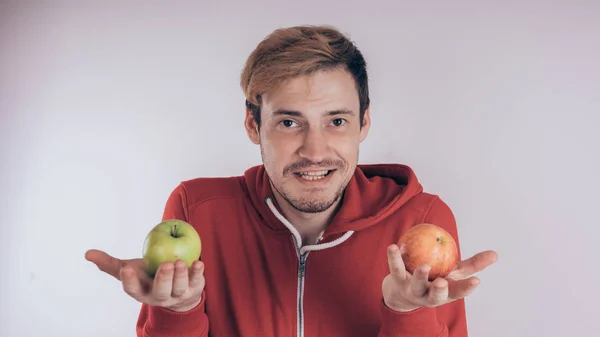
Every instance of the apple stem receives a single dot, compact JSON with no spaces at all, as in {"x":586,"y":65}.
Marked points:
{"x":174,"y":233}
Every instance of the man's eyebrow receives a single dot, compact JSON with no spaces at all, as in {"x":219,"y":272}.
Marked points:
{"x":340,"y":112}
{"x":294,"y":113}
{"x":285,"y":112}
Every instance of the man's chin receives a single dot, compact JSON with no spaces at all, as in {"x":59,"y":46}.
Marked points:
{"x":313,"y":202}
{"x":312,"y":207}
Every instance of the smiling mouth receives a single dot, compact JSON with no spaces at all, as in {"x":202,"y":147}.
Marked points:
{"x":314,"y":175}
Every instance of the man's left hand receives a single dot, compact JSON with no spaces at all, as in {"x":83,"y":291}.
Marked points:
{"x":403,"y":291}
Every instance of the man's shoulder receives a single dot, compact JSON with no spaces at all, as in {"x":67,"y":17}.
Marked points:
{"x":197,"y":190}
{"x":424,"y":201}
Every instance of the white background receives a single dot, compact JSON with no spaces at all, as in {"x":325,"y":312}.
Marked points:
{"x":106,"y":107}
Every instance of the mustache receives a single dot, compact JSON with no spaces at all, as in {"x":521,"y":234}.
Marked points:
{"x":327,"y":163}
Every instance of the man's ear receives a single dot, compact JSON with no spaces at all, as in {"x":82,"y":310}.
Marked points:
{"x":366,"y":125}
{"x":251,"y":127}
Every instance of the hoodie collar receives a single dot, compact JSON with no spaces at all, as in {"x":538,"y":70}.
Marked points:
{"x":374,"y":192}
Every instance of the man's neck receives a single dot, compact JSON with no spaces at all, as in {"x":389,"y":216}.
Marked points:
{"x":309,"y":225}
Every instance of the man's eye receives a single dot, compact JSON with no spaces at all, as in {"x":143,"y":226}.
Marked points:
{"x":288,"y":123}
{"x":339,"y":121}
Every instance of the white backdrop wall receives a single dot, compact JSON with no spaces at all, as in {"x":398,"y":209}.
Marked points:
{"x":105,"y":107}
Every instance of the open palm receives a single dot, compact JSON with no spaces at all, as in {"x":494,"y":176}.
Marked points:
{"x":403,"y":291}
{"x":173,"y":287}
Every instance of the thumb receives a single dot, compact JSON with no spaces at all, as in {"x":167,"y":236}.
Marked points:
{"x":105,"y":262}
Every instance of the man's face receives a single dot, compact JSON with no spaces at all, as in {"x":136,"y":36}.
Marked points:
{"x":309,"y":138}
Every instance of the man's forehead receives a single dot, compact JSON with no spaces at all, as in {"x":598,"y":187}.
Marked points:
{"x":328,"y":95}
{"x":332,"y":82}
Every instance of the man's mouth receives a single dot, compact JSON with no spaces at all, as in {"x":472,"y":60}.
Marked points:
{"x":313,"y":175}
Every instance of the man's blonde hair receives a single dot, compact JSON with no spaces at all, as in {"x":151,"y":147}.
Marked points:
{"x":301,"y":50}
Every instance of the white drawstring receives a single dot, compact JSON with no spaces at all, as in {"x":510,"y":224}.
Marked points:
{"x":297,"y":236}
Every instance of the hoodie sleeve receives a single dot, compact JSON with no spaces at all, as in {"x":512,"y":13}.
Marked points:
{"x":448,"y":320}
{"x":160,"y":322}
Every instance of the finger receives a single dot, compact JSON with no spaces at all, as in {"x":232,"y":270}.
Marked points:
{"x":396,"y":265}
{"x":419,"y":282}
{"x":180,"y":279}
{"x":463,"y":288}
{"x":438,"y":292}
{"x":473,"y":265}
{"x":132,"y":284}
{"x":197,"y":275}
{"x":163,"y":282}
{"x":105,"y":262}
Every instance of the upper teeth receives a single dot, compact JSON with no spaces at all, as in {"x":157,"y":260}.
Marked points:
{"x":316,"y":173}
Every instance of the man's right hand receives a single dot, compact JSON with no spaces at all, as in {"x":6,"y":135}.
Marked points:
{"x":172,"y":288}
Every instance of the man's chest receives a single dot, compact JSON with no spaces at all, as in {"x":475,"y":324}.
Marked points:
{"x":256,"y":280}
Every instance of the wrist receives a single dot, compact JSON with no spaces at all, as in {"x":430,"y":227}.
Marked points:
{"x":185,"y":307}
{"x":400,"y":307}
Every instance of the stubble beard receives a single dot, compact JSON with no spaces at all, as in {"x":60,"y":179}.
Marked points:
{"x":308,"y":204}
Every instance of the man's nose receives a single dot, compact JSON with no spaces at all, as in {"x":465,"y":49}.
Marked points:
{"x":314,"y":146}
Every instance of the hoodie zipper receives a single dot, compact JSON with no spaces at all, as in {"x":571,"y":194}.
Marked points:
{"x":300,"y":300}
{"x":300,"y":292}
{"x":301,"y":276}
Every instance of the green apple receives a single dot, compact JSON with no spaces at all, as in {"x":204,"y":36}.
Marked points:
{"x":169,"y":241}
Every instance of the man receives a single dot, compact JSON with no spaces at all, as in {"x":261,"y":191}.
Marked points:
{"x":303,"y":245}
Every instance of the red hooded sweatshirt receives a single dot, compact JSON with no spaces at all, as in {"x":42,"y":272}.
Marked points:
{"x":261,"y":283}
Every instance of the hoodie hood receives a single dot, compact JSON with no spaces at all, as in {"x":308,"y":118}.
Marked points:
{"x":375,"y":192}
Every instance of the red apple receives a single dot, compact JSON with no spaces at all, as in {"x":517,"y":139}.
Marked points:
{"x":431,"y":245}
